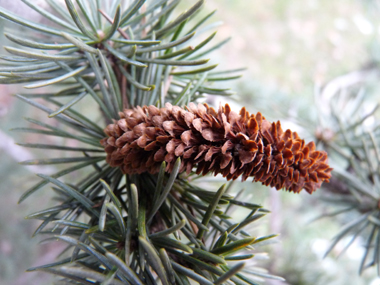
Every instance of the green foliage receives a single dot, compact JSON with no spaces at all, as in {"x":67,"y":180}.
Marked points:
{"x":125,"y":229}
{"x":353,"y":142}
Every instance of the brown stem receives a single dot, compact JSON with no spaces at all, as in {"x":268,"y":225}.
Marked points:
{"x":109,"y":19}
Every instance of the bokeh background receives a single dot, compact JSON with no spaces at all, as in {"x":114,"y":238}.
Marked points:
{"x":290,"y":49}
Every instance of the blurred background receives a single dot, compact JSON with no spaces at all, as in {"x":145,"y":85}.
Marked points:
{"x":293,"y":51}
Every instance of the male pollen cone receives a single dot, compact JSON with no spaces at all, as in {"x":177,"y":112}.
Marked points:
{"x":220,"y":142}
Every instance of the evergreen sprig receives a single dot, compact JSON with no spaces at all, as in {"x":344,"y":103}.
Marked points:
{"x":124,"y":229}
{"x":355,"y":187}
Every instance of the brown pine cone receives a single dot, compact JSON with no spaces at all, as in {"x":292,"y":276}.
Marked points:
{"x":221,"y":142}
